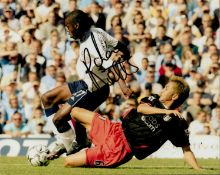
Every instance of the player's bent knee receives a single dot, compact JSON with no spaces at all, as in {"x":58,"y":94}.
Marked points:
{"x":75,"y":112}
{"x":45,"y":100}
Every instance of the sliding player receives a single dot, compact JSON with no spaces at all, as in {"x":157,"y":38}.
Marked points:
{"x":143,"y":130}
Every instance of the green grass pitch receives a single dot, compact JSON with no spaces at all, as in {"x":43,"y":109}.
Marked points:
{"x":20,"y":166}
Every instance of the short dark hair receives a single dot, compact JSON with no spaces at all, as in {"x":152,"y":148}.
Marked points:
{"x":78,"y":16}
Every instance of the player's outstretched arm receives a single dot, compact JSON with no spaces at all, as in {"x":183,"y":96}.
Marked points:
{"x":190,"y":158}
{"x":147,"y":109}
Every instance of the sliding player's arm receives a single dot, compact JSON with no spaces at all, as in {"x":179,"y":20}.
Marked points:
{"x":144,"y":108}
{"x":190,"y":158}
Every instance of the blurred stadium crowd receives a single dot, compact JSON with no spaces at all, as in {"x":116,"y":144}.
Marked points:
{"x":165,"y":37}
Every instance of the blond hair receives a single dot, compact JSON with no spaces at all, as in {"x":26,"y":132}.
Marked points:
{"x":182,"y":89}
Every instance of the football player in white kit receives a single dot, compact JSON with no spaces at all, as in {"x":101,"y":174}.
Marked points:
{"x":96,"y":69}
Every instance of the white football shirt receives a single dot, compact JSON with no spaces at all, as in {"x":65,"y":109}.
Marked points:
{"x":93,"y":52}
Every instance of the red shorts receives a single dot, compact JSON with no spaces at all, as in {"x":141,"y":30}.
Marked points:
{"x":110,"y":145}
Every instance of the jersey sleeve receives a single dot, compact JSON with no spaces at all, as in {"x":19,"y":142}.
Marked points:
{"x":109,"y":40}
{"x":151,"y":100}
{"x":180,"y":138}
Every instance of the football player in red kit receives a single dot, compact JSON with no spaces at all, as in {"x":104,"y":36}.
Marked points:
{"x":142,"y":131}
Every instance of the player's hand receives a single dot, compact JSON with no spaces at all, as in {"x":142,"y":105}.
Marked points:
{"x":174,"y":112}
{"x":116,"y":56}
{"x":127,"y":92}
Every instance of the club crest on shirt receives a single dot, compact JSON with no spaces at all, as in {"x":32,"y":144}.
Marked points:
{"x":166,"y":118}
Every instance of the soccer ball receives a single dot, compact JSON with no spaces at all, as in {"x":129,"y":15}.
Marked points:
{"x":37,"y":155}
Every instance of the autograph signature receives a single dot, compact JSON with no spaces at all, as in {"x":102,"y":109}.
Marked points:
{"x":115,"y":72}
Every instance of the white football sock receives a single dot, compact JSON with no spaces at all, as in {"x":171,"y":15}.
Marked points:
{"x":52,"y":127}
{"x":67,"y":138}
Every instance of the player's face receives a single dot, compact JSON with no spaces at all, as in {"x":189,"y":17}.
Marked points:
{"x":168,"y":92}
{"x":73,"y":30}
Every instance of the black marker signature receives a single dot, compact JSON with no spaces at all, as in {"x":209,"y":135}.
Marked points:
{"x":115,"y":72}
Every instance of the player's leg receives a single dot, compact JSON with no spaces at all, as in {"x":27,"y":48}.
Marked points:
{"x":111,"y":148}
{"x":61,"y":118}
{"x":56,"y":96}
{"x":90,"y":102}
{"x":76,"y":160}
{"x":67,"y":135}
{"x":52,"y":99}
{"x":83,"y":116}
{"x":84,"y":99}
